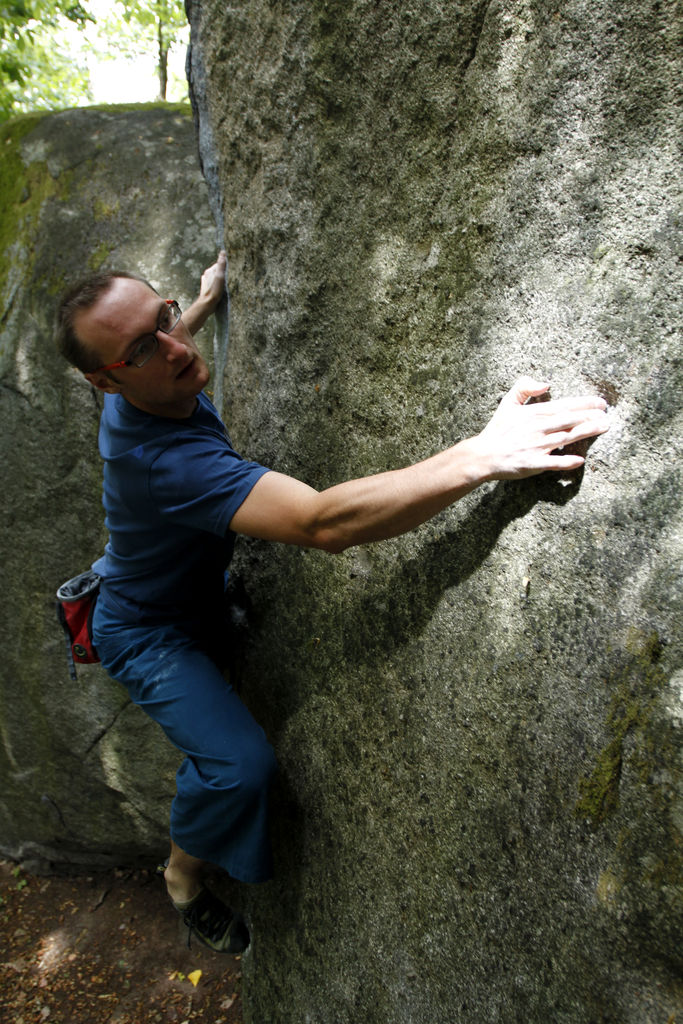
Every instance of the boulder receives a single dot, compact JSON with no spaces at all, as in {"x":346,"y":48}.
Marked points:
{"x":87,"y":778}
{"x":478,"y":724}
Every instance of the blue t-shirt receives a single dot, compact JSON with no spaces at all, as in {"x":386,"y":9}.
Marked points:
{"x":171,"y":488}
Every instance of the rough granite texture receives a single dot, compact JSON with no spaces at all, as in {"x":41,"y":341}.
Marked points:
{"x":478,"y":725}
{"x":86,"y":778}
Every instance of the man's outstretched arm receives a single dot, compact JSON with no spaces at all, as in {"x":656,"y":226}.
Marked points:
{"x":520,"y":440}
{"x":211,"y":292}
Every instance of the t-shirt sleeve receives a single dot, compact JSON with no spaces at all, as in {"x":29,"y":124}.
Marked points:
{"x":200,"y":483}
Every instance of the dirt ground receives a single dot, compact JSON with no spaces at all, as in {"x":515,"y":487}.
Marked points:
{"x":105,"y":949}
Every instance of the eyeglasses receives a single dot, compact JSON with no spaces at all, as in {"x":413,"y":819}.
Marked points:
{"x":149,"y":343}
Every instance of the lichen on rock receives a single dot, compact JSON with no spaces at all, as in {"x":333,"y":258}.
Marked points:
{"x":80,"y":189}
{"x":479,"y":770}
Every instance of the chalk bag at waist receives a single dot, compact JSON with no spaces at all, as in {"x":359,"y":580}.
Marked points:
{"x":75,"y":606}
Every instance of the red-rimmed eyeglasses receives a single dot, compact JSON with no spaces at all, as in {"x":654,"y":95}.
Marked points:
{"x":149,"y":343}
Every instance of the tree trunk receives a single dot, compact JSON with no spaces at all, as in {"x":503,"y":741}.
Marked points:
{"x":162,"y":66}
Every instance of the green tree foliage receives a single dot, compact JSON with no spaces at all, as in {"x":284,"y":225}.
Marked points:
{"x":161,"y":20}
{"x":140,"y":27}
{"x":33,"y":73}
{"x":39,"y":68}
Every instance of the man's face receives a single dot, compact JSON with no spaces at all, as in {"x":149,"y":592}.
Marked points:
{"x":169,"y":383}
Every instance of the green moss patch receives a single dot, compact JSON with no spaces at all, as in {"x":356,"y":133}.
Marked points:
{"x":99,"y":257}
{"x":635,"y":686}
{"x":23,"y":190}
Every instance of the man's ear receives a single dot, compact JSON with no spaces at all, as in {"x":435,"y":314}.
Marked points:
{"x":103,"y":382}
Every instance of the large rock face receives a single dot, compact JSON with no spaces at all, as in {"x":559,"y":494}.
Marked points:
{"x":478,"y":725}
{"x":86,"y":778}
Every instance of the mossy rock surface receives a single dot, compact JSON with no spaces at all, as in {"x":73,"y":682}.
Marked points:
{"x":479,"y":813}
{"x":87,"y":779}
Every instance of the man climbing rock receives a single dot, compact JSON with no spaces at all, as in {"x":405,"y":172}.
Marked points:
{"x":175,"y":496}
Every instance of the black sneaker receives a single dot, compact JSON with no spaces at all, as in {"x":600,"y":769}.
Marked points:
{"x":214,"y":924}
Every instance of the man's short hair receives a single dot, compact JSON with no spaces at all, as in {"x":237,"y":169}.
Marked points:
{"x":80,"y":296}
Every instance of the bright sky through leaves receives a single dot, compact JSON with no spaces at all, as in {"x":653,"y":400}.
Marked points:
{"x":119,"y":54}
{"x":117,"y":77}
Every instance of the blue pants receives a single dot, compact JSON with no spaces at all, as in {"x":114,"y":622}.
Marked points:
{"x":220,"y":811}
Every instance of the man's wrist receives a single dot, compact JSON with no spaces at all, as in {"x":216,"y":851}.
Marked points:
{"x":476,"y":460}
{"x":199,"y":312}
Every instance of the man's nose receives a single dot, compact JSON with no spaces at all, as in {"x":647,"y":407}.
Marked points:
{"x":173,"y":346}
